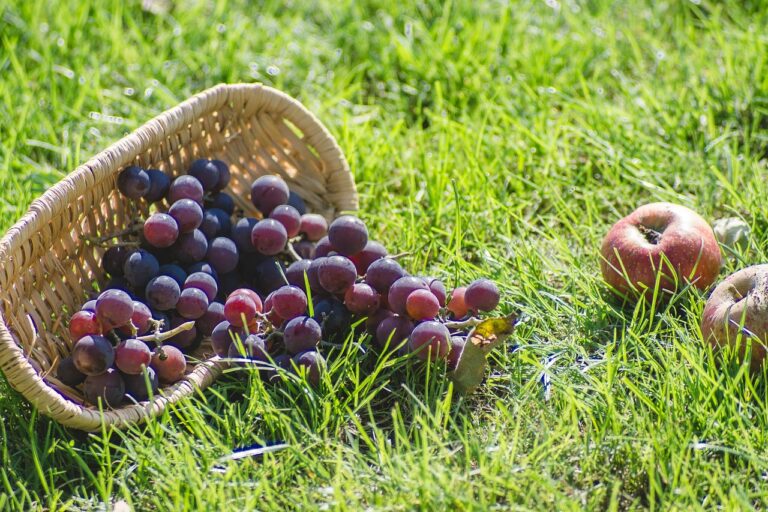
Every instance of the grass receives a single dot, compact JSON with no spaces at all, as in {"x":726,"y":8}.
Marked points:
{"x":496,"y":139}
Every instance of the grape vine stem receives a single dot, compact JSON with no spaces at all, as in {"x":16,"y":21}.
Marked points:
{"x":159,"y":337}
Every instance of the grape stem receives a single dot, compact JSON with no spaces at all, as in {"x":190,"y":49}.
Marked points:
{"x":159,"y":337}
{"x":128,"y":231}
{"x":469,"y":322}
{"x":399,"y":255}
{"x":292,"y":252}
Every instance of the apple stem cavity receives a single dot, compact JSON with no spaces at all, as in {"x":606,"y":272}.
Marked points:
{"x":650,"y":234}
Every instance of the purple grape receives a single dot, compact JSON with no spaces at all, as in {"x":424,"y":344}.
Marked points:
{"x":323,"y":248}
{"x":438,"y":290}
{"x":221,"y":201}
{"x":139,"y":268}
{"x":192,"y":303}
{"x":140,"y":319}
{"x":191,"y":247}
{"x":212,"y":317}
{"x":311,"y":364}
{"x":161,"y":230}
{"x":114,"y":308}
{"x":295,"y":273}
{"x":430,"y":340}
{"x":301,"y":333}
{"x":186,"y":187}
{"x":297,"y":202}
{"x":241,"y":235}
{"x":202,"y":266}
{"x":133,"y":182}
{"x":216,"y":223}
{"x":314,"y":278}
{"x":114,"y":258}
{"x":204,"y":282}
{"x":371,"y":252}
{"x":224,"y":175}
{"x":267,"y":192}
{"x":289,"y":217}
{"x":139,"y":386}
{"x":175,"y":272}
{"x":223,"y":255}
{"x":348,"y":235}
{"x":89,"y":306}
{"x":289,"y":302}
{"x":313,"y":226}
{"x":107,"y":387}
{"x":457,"y":347}
{"x":132,"y":355}
{"x":269,"y":276}
{"x":221,"y":338}
{"x":305,"y":249}
{"x":393,"y":330}
{"x":373,"y":320}
{"x":159,"y":183}
{"x":252,"y":347}
{"x":92,"y":355}
{"x":482,"y":295}
{"x":401,"y":289}
{"x":269,"y":237}
{"x":361,"y":299}
{"x":188,"y":215}
{"x":333,"y":317}
{"x":206,"y":172}
{"x":162,"y":293}
{"x":336,"y":274}
{"x":68,"y":373}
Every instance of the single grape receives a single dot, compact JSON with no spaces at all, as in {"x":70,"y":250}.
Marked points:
{"x":422,"y":305}
{"x":295,"y":273}
{"x":132,"y":355}
{"x":361,"y":299}
{"x":269,"y":237}
{"x":114,"y":308}
{"x":482,"y":295}
{"x":430,"y":340}
{"x":223,"y":255}
{"x":204,"y":282}
{"x":188,"y":215}
{"x":169,"y":363}
{"x":213,"y":316}
{"x":333,"y":317}
{"x":139,"y":268}
{"x":107,"y":387}
{"x":133,"y":182}
{"x":89,"y":306}
{"x":140,"y":386}
{"x":251,"y":295}
{"x":161,"y":230}
{"x":457,"y":347}
{"x":297,"y":202}
{"x":252,"y":347}
{"x":438,"y":290}
{"x":310,"y":364}
{"x":241,"y":235}
{"x":240,"y":309}
{"x":221,"y":201}
{"x":202,"y":266}
{"x":222,"y":337}
{"x":457,"y":305}
{"x":191,"y":247}
{"x":301,"y":333}
{"x":185,"y":340}
{"x":373,"y":320}
{"x":192,"y":303}
{"x":383,"y":273}
{"x":289,"y":302}
{"x":348,"y":235}
{"x":140,"y":320}
{"x":114,"y":258}
{"x":173,"y":271}
{"x":392,"y":330}
{"x":206,"y":172}
{"x":224,"y":175}
{"x":336,"y":274}
{"x":314,"y":279}
{"x":186,"y":187}
{"x":68,"y":373}
{"x":401,"y":289}
{"x":269,"y":310}
{"x":92,"y":355}
{"x":216,"y":223}
{"x":269,"y":276}
{"x":371,"y":252}
{"x":83,"y":323}
{"x":267,"y":192}
{"x":289,"y":217}
{"x":323,"y":247}
{"x":162,"y":293}
{"x":313,"y":226}
{"x":159,"y":183}
{"x":305,"y":249}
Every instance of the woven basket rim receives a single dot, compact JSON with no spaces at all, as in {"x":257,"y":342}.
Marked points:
{"x":16,"y":367}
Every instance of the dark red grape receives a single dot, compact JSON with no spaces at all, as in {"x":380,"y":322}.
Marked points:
{"x":313,"y":226}
{"x":289,"y":302}
{"x":348,"y":235}
{"x":272,"y":315}
{"x":139,"y":268}
{"x":373,"y":320}
{"x":89,"y":306}
{"x":383,"y":273}
{"x":159,"y":183}
{"x":301,"y":333}
{"x":250,"y":294}
{"x":185,"y":340}
{"x":221,"y":201}
{"x":162,"y":293}
{"x":438,"y":290}
{"x":222,"y":337}
{"x":269,"y":276}
{"x":204,"y":282}
{"x":430,"y":340}
{"x":216,"y":222}
{"x":393,"y":330}
{"x":323,"y":248}
{"x":252,"y":347}
{"x":68,"y":373}
{"x":241,"y":235}
{"x":295,"y":273}
{"x":336,"y":274}
{"x":313,"y":277}
{"x":169,"y":363}
{"x":175,"y":272}
{"x":305,"y":249}
{"x":139,"y":386}
{"x":224,"y":175}
{"x":457,"y":347}
{"x":269,"y":237}
{"x":132,"y":355}
{"x":223,"y":255}
{"x":289,"y":217}
{"x":311,"y":364}
{"x":401,"y":289}
{"x":297,"y":202}
{"x":192,"y":303}
{"x":188,"y":215}
{"x":133,"y":182}
{"x":482,"y":295}
{"x":186,"y":187}
{"x":213,"y":316}
{"x":92,"y":355}
{"x":161,"y":230}
{"x":114,"y":258}
{"x":361,"y":299}
{"x":107,"y":387}
{"x":83,"y":323}
{"x":202,"y":266}
{"x":206,"y":172}
{"x":240,"y":309}
{"x":191,"y":247}
{"x":114,"y":308}
{"x":139,"y":319}
{"x":371,"y":252}
{"x":457,"y":305}
{"x":267,"y":192}
{"x":333,"y":317}
{"x":422,"y":305}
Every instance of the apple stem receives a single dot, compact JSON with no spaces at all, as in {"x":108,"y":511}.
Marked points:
{"x":650,"y":234}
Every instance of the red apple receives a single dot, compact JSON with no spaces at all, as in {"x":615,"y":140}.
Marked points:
{"x":661,"y":241}
{"x":739,"y":305}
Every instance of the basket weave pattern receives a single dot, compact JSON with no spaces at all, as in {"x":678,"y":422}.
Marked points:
{"x":49,"y":263}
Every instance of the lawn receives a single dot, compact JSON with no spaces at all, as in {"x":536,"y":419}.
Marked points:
{"x":496,"y":139}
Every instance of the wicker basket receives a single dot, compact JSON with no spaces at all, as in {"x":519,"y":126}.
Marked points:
{"x":48,"y":266}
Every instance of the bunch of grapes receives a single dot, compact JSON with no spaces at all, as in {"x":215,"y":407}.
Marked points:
{"x":265,"y":290}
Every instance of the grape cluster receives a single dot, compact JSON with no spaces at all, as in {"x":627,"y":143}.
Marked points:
{"x":265,"y":290}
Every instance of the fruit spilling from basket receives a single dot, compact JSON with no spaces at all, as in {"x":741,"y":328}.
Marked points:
{"x":268,"y":291}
